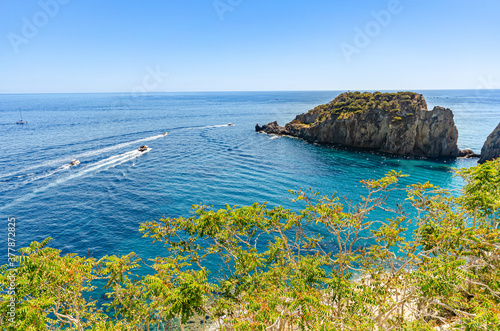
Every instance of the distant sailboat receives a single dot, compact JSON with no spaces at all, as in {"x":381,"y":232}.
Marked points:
{"x":21,"y":121}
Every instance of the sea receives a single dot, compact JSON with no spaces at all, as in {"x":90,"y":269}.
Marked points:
{"x":95,"y":208}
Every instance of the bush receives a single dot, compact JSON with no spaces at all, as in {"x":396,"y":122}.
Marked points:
{"x":357,"y":102}
{"x":276,"y":273}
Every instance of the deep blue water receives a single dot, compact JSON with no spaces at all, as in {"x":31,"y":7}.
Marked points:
{"x":97,"y":206}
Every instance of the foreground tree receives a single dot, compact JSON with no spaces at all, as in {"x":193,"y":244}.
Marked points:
{"x":328,"y":266}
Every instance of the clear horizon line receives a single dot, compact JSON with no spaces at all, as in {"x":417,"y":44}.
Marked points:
{"x":234,"y":91}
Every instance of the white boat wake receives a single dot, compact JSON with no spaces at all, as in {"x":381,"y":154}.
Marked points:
{"x":108,"y":163}
{"x":115,"y":147}
{"x":215,"y":126}
{"x":99,"y":166}
{"x":84,"y":155}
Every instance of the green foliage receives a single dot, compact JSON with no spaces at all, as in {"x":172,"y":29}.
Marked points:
{"x":276,"y":273}
{"x":49,"y":290}
{"x":482,"y":192}
{"x":349,"y":103}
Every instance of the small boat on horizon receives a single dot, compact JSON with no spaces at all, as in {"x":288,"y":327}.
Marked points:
{"x":21,"y":120}
{"x":230,"y":124}
{"x":143,"y":148}
{"x":74,"y":162}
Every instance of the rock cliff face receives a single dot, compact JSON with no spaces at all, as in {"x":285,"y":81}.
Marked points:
{"x":396,"y":123}
{"x":491,"y":148}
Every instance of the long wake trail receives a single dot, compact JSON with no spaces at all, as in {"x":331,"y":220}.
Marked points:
{"x":84,"y":155}
{"x":102,"y":165}
{"x":98,"y":166}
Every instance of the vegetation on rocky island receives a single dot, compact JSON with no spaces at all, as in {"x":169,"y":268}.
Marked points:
{"x":428,"y":262}
{"x":349,"y":103}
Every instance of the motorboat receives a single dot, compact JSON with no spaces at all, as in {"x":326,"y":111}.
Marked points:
{"x":74,"y":162}
{"x":230,"y":124}
{"x":143,"y":148}
{"x":165,"y":133}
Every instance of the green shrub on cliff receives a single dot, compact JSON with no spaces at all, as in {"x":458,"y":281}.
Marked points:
{"x":357,"y":102}
{"x":278,"y":271}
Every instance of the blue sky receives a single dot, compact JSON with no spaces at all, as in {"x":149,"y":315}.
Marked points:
{"x":247,"y":45}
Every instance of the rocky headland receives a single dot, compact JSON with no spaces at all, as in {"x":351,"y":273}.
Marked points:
{"x":491,"y":148}
{"x":395,"y":123}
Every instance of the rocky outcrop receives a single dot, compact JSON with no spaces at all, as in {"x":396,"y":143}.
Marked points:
{"x":491,"y":148}
{"x":468,"y":154}
{"x":272,"y":128}
{"x":396,"y":123}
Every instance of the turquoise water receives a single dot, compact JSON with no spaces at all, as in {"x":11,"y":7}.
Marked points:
{"x":97,"y":207}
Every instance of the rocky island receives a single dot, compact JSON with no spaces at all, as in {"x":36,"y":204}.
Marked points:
{"x":396,"y":123}
{"x":491,"y":148}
